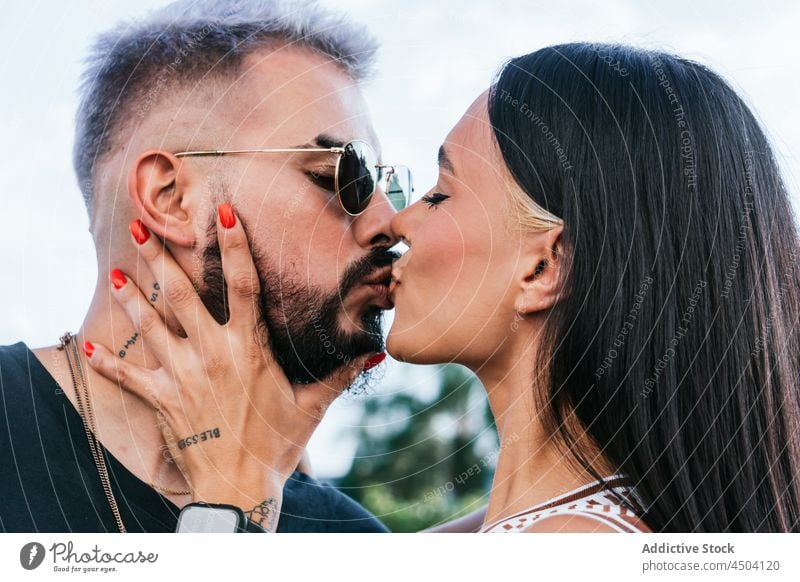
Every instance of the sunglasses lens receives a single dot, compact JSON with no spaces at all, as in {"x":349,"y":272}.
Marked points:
{"x":357,"y":176}
{"x":399,"y":187}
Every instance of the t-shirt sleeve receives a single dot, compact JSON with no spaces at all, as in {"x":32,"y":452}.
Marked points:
{"x":312,"y":506}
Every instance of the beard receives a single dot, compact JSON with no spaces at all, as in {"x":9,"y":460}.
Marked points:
{"x":300,"y":322}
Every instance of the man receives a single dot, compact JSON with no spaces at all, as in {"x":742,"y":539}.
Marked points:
{"x":202,"y":76}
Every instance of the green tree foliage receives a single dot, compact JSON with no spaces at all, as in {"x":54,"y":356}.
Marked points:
{"x":424,"y":461}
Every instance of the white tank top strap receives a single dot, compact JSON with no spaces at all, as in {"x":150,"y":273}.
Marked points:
{"x":598,"y":501}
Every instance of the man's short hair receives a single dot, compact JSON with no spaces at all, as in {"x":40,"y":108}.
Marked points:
{"x":192,"y":41}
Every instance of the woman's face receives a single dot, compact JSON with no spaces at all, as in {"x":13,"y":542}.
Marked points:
{"x":457,"y":286}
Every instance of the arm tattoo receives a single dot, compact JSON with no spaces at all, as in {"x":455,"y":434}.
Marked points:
{"x":265,"y":514}
{"x":201,"y":437}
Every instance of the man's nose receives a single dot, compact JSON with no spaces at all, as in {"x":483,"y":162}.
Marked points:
{"x":373,"y":226}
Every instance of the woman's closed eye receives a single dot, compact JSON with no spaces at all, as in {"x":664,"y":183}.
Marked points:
{"x":434,"y":199}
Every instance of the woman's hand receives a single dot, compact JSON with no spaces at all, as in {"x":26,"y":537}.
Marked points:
{"x":233,"y":423}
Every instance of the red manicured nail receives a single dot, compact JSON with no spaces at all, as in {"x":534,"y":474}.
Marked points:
{"x":226,"y":215}
{"x":88,"y":349}
{"x":374,"y":361}
{"x":139,"y":231}
{"x":118,"y":279}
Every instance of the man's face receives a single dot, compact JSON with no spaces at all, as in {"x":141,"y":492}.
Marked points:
{"x":318,"y":265}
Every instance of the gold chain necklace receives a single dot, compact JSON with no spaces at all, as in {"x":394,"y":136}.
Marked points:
{"x":87,"y":416}
{"x":167,"y":491}
{"x":86,"y":412}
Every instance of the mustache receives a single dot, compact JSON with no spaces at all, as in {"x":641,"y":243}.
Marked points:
{"x":356,"y":272}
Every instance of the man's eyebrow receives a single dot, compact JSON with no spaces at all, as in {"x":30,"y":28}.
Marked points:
{"x":323,"y":140}
{"x":326,"y":141}
{"x":444,"y":160}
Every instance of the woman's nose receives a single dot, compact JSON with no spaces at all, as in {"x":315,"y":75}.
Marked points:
{"x":401,"y":224}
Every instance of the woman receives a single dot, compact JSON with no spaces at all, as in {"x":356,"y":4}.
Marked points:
{"x":611,"y":249}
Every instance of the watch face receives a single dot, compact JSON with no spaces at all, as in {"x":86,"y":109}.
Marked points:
{"x":207,"y":520}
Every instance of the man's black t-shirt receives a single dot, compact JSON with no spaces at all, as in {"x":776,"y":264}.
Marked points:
{"x":50,"y":482}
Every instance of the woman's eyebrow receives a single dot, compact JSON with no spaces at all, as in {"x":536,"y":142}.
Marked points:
{"x":444,"y":160}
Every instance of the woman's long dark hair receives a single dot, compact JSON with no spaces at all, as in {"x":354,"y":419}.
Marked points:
{"x":676,"y":347}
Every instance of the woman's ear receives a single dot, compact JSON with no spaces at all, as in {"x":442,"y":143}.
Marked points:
{"x":160,"y":196}
{"x":539,"y":277}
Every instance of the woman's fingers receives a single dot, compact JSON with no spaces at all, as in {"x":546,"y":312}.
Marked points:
{"x":133,"y":378}
{"x":240,"y":272}
{"x":145,"y":318}
{"x":178,"y":290}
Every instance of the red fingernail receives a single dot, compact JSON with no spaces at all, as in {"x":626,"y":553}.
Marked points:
{"x":118,"y":279}
{"x":374,"y":361}
{"x":88,"y":349}
{"x":139,"y":231}
{"x":226,"y":215}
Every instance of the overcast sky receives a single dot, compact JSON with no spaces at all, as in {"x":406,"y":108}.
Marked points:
{"x":436,"y":58}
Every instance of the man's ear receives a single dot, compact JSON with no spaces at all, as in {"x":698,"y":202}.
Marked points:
{"x":160,"y":196}
{"x":539,"y":275}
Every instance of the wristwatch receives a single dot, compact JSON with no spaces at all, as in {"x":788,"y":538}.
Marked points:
{"x":215,"y":518}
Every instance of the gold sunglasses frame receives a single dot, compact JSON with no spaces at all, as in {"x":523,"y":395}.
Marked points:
{"x":332,"y":150}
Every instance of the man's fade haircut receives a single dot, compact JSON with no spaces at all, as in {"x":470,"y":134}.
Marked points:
{"x":190,"y":41}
